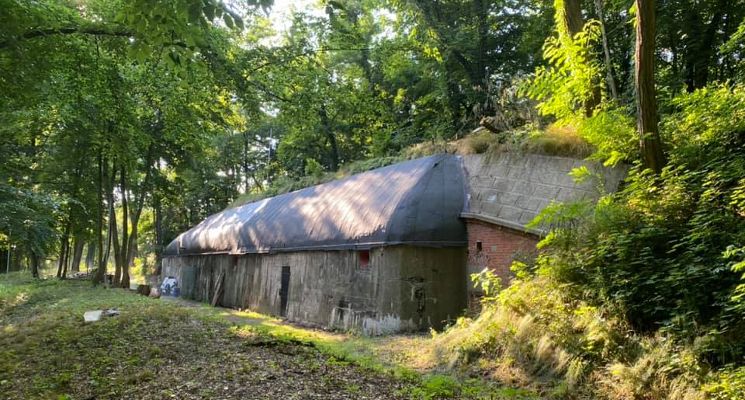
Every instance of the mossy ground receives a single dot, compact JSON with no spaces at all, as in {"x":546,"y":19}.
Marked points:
{"x":164,"y":349}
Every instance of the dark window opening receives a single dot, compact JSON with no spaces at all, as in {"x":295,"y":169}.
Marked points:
{"x":478,"y":246}
{"x":364,"y":258}
{"x":284,"y":291}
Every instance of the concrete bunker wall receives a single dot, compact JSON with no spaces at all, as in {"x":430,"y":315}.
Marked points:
{"x":389,"y":289}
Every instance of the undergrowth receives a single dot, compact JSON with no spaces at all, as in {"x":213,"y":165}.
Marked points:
{"x":641,"y":295}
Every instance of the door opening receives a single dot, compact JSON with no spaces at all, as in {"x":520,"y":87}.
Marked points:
{"x":284,"y":291}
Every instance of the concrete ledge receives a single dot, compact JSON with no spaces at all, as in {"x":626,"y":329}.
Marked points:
{"x":504,"y":223}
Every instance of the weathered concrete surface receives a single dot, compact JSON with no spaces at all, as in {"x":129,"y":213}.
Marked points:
{"x":510,"y":189}
{"x":403,"y":288}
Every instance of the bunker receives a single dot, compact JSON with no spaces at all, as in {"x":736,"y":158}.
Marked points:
{"x":382,"y":251}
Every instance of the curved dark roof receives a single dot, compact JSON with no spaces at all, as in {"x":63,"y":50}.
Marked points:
{"x":414,"y":202}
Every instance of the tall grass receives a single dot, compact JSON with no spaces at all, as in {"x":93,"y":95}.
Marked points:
{"x":535,"y":337}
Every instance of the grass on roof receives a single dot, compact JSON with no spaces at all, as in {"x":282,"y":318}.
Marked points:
{"x":553,"y":141}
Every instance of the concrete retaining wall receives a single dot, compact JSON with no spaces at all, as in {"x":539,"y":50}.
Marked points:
{"x":511,"y":188}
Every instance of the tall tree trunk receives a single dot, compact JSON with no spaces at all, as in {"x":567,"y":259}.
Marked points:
{"x":135,"y":220}
{"x":139,"y":204}
{"x":101,"y":271}
{"x":609,"y":70}
{"x":77,"y":254}
{"x":571,"y":16}
{"x":67,"y":260}
{"x":646,"y":102}
{"x":64,"y":250}
{"x":110,"y":232}
{"x":244,"y":161}
{"x":90,"y":256}
{"x":113,"y":239}
{"x":124,"y":256}
{"x":158,"y":234}
{"x":130,"y":256}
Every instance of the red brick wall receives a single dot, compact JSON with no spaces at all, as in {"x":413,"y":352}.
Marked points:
{"x":499,"y":246}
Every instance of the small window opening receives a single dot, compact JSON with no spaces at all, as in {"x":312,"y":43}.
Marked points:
{"x":364,"y":258}
{"x":478,"y":246}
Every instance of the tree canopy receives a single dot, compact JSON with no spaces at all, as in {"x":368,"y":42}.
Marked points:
{"x":123,"y":123}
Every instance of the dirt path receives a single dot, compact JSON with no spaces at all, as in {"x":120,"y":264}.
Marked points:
{"x":405,"y":350}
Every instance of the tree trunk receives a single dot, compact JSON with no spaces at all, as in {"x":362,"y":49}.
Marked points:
{"x":609,"y":70}
{"x":130,"y":256}
{"x":34,"y":264}
{"x":110,"y":232}
{"x":329,"y":133}
{"x":101,"y":271}
{"x":646,"y":103}
{"x":135,"y":220}
{"x":65,"y":267}
{"x":124,"y":256}
{"x":64,"y":250}
{"x":158,"y":234}
{"x":139,"y":204}
{"x":90,"y":256}
{"x":77,"y":255}
{"x":244,"y":163}
{"x":571,"y":15}
{"x":113,"y":236}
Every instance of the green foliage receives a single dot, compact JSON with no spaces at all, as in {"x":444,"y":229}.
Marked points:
{"x":563,"y":87}
{"x":28,"y":217}
{"x":709,"y":119}
{"x":611,"y":132}
{"x":288,"y":184}
{"x":641,"y":294}
{"x":436,"y":387}
{"x":728,"y":384}
{"x":489,"y":283}
{"x":663,"y":251}
{"x":567,"y":87}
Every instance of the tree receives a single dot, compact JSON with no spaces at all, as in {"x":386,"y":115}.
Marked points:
{"x":571,"y":23}
{"x":477,"y":45}
{"x":646,"y":102}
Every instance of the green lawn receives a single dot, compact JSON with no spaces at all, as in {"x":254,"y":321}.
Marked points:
{"x":163,"y":349}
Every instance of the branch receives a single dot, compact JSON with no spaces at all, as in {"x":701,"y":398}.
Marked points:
{"x":71,"y":30}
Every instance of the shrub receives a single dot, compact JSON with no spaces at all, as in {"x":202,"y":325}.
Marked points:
{"x":727,"y":384}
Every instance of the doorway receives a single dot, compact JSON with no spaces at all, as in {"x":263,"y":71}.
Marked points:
{"x":284,"y":291}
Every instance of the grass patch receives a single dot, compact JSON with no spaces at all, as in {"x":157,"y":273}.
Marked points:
{"x":155,"y":349}
{"x":175,"y":349}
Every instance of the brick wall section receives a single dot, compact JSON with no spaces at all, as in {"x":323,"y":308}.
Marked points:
{"x":499,"y":247}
